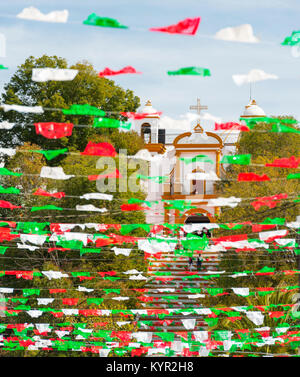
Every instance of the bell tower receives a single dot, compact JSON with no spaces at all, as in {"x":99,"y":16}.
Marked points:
{"x":148,"y":126}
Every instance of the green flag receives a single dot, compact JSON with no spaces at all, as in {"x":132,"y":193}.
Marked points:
{"x":9,"y":190}
{"x":89,"y":250}
{"x":97,"y":301}
{"x":49,"y":155}
{"x":156,"y":179}
{"x":199,"y":158}
{"x":293,"y":39}
{"x":2,"y":67}
{"x":30,"y":291}
{"x":284,"y":129}
{"x":3,"y":250}
{"x":240,"y":159}
{"x":196,"y":71}
{"x":110,"y":123}
{"x":84,"y":110}
{"x":95,"y":20}
{"x":48,"y":207}
{"x":293,"y":176}
{"x":4,"y":171}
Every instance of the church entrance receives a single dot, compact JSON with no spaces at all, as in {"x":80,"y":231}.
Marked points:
{"x":197,"y":219}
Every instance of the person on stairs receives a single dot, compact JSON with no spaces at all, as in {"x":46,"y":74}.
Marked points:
{"x":199,"y":262}
{"x":190,"y":263}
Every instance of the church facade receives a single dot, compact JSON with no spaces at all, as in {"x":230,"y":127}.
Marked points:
{"x":191,"y":163}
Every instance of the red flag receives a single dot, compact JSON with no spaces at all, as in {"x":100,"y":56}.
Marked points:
{"x":252,"y":177}
{"x":70,"y":301}
{"x":5,"y":204}
{"x":291,"y":162}
{"x":140,"y":115}
{"x":57,"y":248}
{"x":57,"y":195}
{"x":115,"y":174}
{"x":53,"y":130}
{"x":5,"y":234}
{"x":233,"y":238}
{"x":132,"y":207}
{"x":100,"y":149}
{"x":231,"y":126}
{"x":189,"y":26}
{"x":269,"y":201}
{"x":57,"y":290}
{"x":260,"y":227}
{"x":109,"y":72}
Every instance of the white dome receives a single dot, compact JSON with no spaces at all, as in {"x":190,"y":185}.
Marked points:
{"x":252,"y":110}
{"x":149,"y":109}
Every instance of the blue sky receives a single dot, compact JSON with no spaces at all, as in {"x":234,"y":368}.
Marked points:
{"x":155,"y":53}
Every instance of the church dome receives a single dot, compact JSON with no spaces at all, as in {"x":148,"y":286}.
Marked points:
{"x":149,"y":109}
{"x":253,"y":110}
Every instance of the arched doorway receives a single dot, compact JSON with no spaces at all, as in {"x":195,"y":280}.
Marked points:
{"x":197,"y":216}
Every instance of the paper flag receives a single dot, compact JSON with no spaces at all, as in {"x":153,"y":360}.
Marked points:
{"x":97,"y":196}
{"x":109,"y":72}
{"x":5,"y":204}
{"x":6,"y":125}
{"x":84,"y":110}
{"x":54,"y":130}
{"x":110,"y":123}
{"x":197,"y":71}
{"x":241,"y":159}
{"x":100,"y":149}
{"x":231,"y":126}
{"x":293,"y":176}
{"x":33,"y":13}
{"x":242,"y":33}
{"x":253,"y":76}
{"x":4,"y":171}
{"x":189,"y":26}
{"x":51,"y":153}
{"x":95,"y":20}
{"x":292,"y":40}
{"x":10,"y":190}
{"x":90,"y":207}
{"x":137,"y":116}
{"x":199,"y":158}
{"x":284,"y":129}
{"x":23,"y":109}
{"x":291,"y":162}
{"x":57,"y":195}
{"x":2,"y":67}
{"x":54,"y":173}
{"x":46,"y":208}
{"x":55,"y":74}
{"x":252,"y":177}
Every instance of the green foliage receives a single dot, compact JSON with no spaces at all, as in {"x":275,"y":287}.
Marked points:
{"x":85,"y":88}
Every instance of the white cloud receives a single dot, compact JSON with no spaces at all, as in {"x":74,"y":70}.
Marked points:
{"x":186,"y":122}
{"x":33,"y":13}
{"x":242,"y":33}
{"x":253,"y":76}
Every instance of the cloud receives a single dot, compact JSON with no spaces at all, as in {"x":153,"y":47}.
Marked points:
{"x":186,"y":122}
{"x":253,"y":76}
{"x":33,"y":13}
{"x":242,"y":33}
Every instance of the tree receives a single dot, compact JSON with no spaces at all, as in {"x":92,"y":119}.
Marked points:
{"x":85,"y":88}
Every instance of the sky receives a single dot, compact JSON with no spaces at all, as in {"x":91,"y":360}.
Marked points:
{"x":155,"y":53}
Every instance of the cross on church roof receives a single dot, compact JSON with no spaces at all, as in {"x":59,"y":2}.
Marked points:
{"x":198,"y":107}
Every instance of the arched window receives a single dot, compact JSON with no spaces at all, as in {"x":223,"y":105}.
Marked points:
{"x":146,"y":132}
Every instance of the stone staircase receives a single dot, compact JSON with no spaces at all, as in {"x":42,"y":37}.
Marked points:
{"x":177,"y":267}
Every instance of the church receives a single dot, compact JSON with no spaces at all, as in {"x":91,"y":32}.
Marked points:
{"x":187,"y":178}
